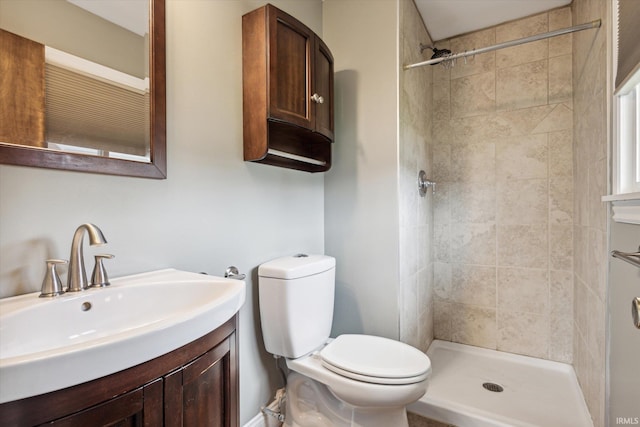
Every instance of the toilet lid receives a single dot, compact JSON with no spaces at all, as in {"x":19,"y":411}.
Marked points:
{"x":375,"y":359}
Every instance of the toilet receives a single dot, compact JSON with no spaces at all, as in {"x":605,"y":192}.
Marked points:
{"x":352,"y":380}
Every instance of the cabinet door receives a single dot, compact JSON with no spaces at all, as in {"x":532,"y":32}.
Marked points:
{"x":323,"y":88}
{"x":198,"y":394}
{"x":138,"y":408}
{"x":290,"y":56}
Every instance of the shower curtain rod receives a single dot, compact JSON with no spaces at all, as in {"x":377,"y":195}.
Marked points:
{"x":586,"y":26}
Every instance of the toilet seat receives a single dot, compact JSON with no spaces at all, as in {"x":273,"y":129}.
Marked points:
{"x":375,"y":360}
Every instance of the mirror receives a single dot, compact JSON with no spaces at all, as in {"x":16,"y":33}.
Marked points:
{"x":104,"y":148}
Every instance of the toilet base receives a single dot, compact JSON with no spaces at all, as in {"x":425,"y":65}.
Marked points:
{"x":311,"y":404}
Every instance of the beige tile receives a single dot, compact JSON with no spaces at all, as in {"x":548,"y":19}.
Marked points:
{"x":522,"y":157}
{"x":473,"y":243}
{"x":596,"y":262}
{"x":527,"y":52}
{"x":560,"y":118}
{"x":581,"y":189}
{"x":560,"y":79}
{"x":522,"y":201}
{"x":442,"y":131}
{"x":442,"y":99}
{"x":561,"y":200}
{"x":409,"y":312}
{"x":520,"y":28}
{"x":594,"y":394}
{"x":441,"y":211}
{"x":561,"y":294}
{"x":561,"y":316}
{"x":441,"y":161}
{"x":474,"y":326}
{"x":474,"y":162}
{"x":598,"y":188}
{"x":425,"y":330}
{"x":442,"y":280}
{"x":595,"y":124}
{"x":522,"y":86}
{"x":523,"y":121}
{"x":472,"y":202}
{"x":561,"y":153}
{"x":521,"y":54}
{"x":581,"y":301}
{"x":580,"y":254}
{"x":425,"y":249}
{"x":443,"y":312}
{"x":441,"y":242}
{"x":523,"y":333}
{"x":473,"y":285}
{"x":523,"y":290}
{"x":473,"y":95}
{"x":522,"y":246}
{"x":478,"y":63}
{"x":502,"y":124}
{"x":561,"y":340}
{"x":579,"y":357}
{"x":408,"y":264}
{"x":561,"y":45}
{"x":561,"y":247}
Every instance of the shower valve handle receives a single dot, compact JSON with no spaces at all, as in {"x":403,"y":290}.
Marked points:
{"x":424,"y":184}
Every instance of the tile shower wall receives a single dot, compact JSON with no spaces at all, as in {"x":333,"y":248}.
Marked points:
{"x":503,"y":214}
{"x":416,"y":224}
{"x":590,"y":224}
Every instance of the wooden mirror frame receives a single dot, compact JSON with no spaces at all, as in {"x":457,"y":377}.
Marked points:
{"x":157,"y":167}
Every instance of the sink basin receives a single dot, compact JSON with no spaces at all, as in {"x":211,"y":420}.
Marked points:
{"x":47,"y":344}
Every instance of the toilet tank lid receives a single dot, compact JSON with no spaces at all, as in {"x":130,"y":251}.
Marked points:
{"x":296,"y":266}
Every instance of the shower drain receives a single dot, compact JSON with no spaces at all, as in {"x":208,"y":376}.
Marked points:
{"x":496,"y":388}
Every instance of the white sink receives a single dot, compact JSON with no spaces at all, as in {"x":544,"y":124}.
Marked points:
{"x":47,"y":344}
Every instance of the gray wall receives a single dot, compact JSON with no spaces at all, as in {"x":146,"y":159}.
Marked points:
{"x":214,"y":210}
{"x":624,"y":337}
{"x":361,"y":199}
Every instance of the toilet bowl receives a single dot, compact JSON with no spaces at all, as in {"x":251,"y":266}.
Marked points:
{"x":352,"y":380}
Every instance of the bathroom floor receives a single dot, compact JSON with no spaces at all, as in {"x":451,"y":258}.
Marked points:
{"x":520,"y":391}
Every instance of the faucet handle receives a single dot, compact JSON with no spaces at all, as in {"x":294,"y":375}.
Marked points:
{"x":99,"y":277}
{"x":52,"y":285}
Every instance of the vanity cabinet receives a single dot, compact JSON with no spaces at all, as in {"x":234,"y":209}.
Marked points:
{"x":288,"y":100}
{"x":135,"y":408}
{"x":195,"y":394}
{"x":194,"y":385}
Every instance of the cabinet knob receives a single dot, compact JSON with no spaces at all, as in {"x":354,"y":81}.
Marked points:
{"x":317,"y":98}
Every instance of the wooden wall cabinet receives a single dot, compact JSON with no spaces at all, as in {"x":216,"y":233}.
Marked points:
{"x":194,"y":385}
{"x":287,"y":92}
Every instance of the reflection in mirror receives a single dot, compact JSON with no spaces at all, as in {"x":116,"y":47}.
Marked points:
{"x":83,"y":85}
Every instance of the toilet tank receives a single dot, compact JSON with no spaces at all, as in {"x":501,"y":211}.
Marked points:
{"x":296,"y":296}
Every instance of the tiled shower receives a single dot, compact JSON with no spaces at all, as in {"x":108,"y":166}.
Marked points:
{"x":503,"y":213}
{"x":510,"y":251}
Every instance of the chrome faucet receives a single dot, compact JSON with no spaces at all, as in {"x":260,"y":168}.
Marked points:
{"x":77,"y":276}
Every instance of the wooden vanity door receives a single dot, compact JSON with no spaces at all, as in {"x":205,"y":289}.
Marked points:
{"x":138,"y":408}
{"x":290,"y":54}
{"x":199,"y":393}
